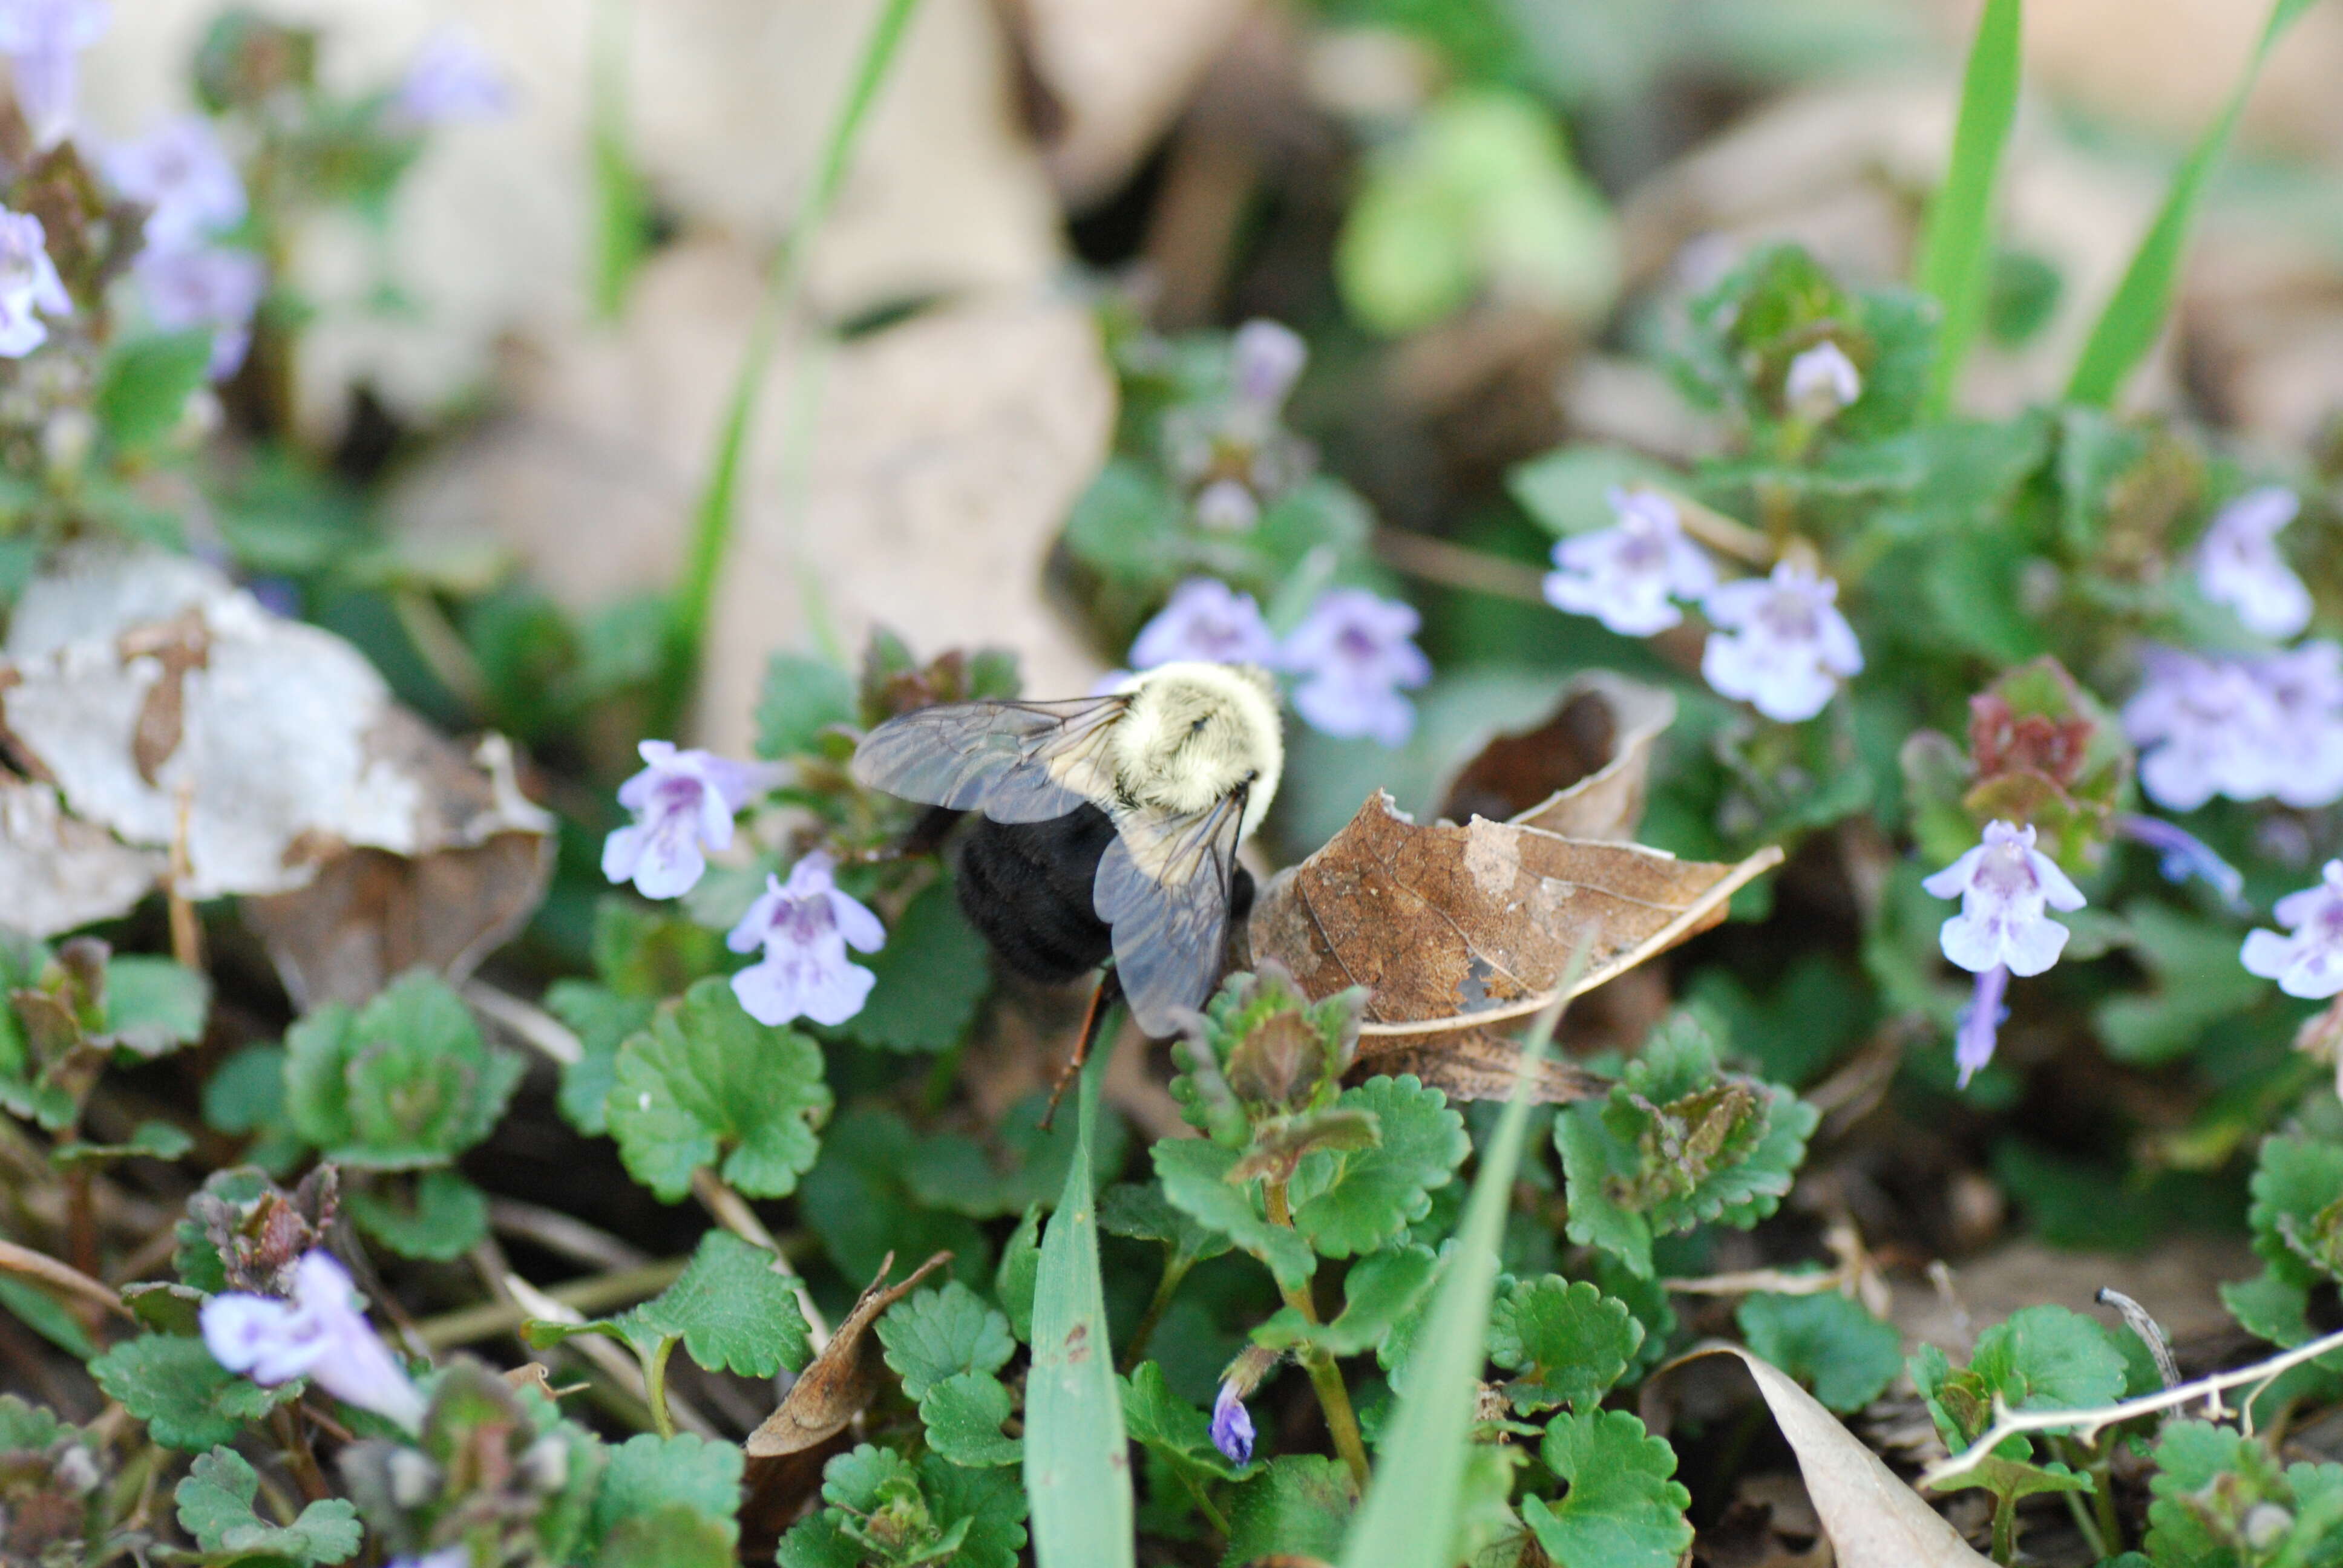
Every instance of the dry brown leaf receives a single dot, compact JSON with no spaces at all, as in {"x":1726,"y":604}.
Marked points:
{"x":1452,"y":926}
{"x":368,"y":916}
{"x":1873,"y":1519}
{"x":1475,"y":1065}
{"x":62,"y":873}
{"x":1581,"y":773}
{"x":842,"y":1379}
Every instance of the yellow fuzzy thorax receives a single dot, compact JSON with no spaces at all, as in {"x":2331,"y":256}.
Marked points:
{"x":1195,"y":733}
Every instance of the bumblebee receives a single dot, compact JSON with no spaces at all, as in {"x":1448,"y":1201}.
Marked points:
{"x":1109,"y":825}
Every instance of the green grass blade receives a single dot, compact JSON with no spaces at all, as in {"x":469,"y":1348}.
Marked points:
{"x":1957,"y":249}
{"x":2134,"y":318}
{"x":1409,"y":1520}
{"x":712,"y":518}
{"x":1077,"y":1455}
{"x":621,"y":205}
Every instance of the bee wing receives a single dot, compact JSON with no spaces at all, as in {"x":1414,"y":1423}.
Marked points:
{"x":1163,"y":886}
{"x":1013,"y":762}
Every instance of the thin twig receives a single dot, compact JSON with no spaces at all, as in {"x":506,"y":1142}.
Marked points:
{"x":531,"y":1024}
{"x":1750,"y":1281}
{"x":2087,"y":1423}
{"x":1719,"y":532}
{"x":732,"y":1212}
{"x":187,"y":929}
{"x":598,"y":1293}
{"x":1457,"y":566}
{"x":559,"y":1232}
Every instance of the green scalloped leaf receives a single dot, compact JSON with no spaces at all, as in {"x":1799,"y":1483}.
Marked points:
{"x":1195,"y":1175}
{"x":2297,"y":1214}
{"x":188,"y":1399}
{"x":1358,"y":1201}
{"x":1168,"y":1425}
{"x":404,"y":1082}
{"x":1831,"y":1344}
{"x":708,"y":1082}
{"x":439,"y":1217}
{"x":1622,"y":1510}
{"x":1298,"y":1506}
{"x":214,"y":1506}
{"x":931,"y":1335}
{"x":1569,"y":1341}
{"x":963,"y":1414}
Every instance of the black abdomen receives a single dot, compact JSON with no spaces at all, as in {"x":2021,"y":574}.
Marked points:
{"x":1027,"y":886}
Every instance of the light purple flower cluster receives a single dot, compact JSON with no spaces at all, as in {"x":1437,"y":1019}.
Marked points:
{"x":2307,"y":961}
{"x":2183,"y":855}
{"x":450,"y":78}
{"x":1205,"y":620}
{"x":804,"y":928}
{"x":2238,"y":563}
{"x":29,"y":284}
{"x":1626,"y":576}
{"x":1779,"y":644}
{"x":319,"y":1333}
{"x":683,"y":803}
{"x":1235,"y":453}
{"x":2006,"y":886}
{"x":2248,"y":728}
{"x":43,"y":40}
{"x":184,"y":177}
{"x":1352,"y":655}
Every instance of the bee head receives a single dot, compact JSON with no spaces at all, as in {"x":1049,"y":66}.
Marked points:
{"x":1196,"y":733}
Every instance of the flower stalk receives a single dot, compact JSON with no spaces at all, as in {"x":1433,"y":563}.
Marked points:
{"x":1325,"y":1377}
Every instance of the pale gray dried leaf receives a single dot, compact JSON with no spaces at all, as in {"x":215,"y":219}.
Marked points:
{"x":61,"y":873}
{"x":143,"y":684}
{"x":1873,"y":1519}
{"x":1451,"y":926}
{"x":1581,"y":773}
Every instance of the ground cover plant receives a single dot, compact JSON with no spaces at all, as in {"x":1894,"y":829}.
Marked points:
{"x":1709,"y":893}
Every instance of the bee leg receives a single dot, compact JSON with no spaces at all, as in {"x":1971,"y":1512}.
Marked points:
{"x":1102,"y":1002}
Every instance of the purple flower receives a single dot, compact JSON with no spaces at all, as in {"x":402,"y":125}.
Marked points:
{"x":1232,"y":1431}
{"x":2246,"y":728}
{"x":43,"y":40}
{"x":1626,"y":576}
{"x":1782,"y":644}
{"x":804,"y":928}
{"x":450,"y":78}
{"x":2304,"y":745}
{"x":28,"y":282}
{"x":2237,"y":563}
{"x":683,"y":804}
{"x":184,"y":177}
{"x":1266,"y":358}
{"x":2003,"y":885}
{"x":458,"y":1556}
{"x":320,"y":1334}
{"x":204,"y":285}
{"x":1354,"y":653}
{"x":1821,"y":381}
{"x":2307,"y":961}
{"x":2185,"y":855}
{"x":1207,"y":620}
{"x":1981,"y":1020}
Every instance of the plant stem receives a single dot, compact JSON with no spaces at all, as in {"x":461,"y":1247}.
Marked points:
{"x":732,"y":1212}
{"x":1176,"y":1265}
{"x":1333,"y":1395}
{"x":1204,"y":1500}
{"x":711,"y":533}
{"x":294,"y":1441}
{"x":655,"y":1385}
{"x":2004,"y":1531}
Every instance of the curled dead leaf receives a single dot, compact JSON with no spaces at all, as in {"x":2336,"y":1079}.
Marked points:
{"x":1873,"y":1519}
{"x":1476,"y":1064}
{"x":843,"y":1378}
{"x":785,"y":1454}
{"x":1451,"y":926}
{"x":1583,"y":773}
